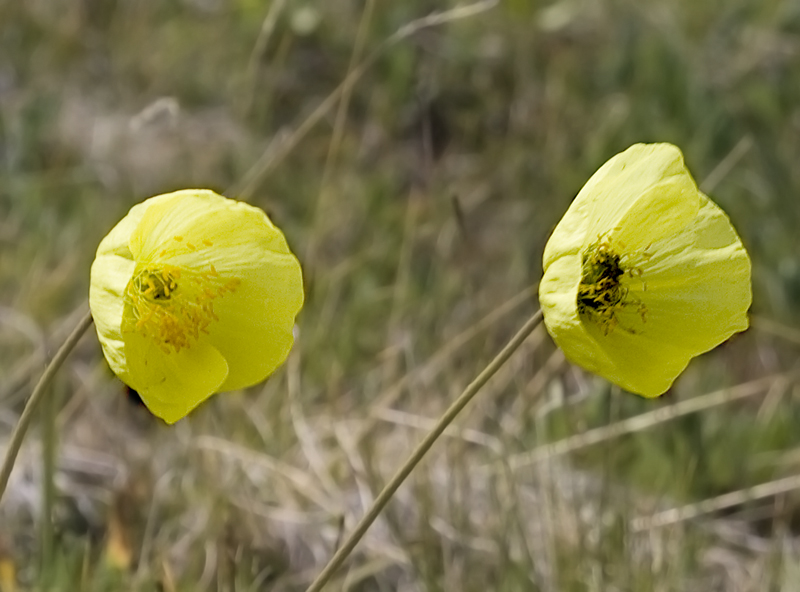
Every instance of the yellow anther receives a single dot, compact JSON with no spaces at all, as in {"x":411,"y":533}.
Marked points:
{"x":178,"y":237}
{"x":174,"y":315}
{"x":191,"y":246}
{"x":207,"y":242}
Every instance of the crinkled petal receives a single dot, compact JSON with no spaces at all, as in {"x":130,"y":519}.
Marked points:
{"x":171,"y":384}
{"x":558,"y":290}
{"x":256,"y":320}
{"x":110,"y":275}
{"x":183,"y":224}
{"x":117,"y":242}
{"x":624,"y":180}
{"x":638,"y":363}
{"x":111,"y":271}
{"x":662,"y":211}
{"x":696,"y":287}
{"x":569,"y":236}
{"x":610,"y":194}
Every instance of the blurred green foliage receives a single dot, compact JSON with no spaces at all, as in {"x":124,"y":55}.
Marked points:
{"x":462,"y":147}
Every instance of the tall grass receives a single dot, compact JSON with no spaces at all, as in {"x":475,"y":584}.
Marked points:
{"x":420,"y":201}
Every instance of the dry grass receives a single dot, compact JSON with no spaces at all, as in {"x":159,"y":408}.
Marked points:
{"x":417,"y":155}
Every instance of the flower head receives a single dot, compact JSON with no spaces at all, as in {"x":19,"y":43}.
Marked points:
{"x":193,"y":294}
{"x":644,"y":272}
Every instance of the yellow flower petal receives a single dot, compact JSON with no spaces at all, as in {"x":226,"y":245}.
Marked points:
{"x":639,"y":364}
{"x":110,"y":277}
{"x":643,"y":273}
{"x":665,"y":209}
{"x":194,"y":293}
{"x":557,"y":293}
{"x":171,"y":383}
{"x":698,"y":284}
{"x":257,"y":334}
{"x":622,"y":182}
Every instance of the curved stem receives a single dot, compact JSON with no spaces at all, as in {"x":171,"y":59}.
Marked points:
{"x":24,"y":422}
{"x":422,"y":448}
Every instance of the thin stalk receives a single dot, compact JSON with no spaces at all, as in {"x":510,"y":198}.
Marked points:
{"x":282,"y":145}
{"x":49,"y":444}
{"x":24,"y":422}
{"x":422,"y":448}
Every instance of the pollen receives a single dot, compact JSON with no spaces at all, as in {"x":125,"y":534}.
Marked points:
{"x":171,"y":309}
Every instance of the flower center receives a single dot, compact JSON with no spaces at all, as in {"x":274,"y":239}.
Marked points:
{"x":601,"y":293}
{"x":174,"y":305}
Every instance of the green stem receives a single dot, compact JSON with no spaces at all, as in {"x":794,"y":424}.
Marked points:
{"x":24,"y":422}
{"x":422,"y":448}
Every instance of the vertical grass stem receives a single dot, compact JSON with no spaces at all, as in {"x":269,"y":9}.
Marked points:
{"x":422,"y":448}
{"x":18,"y":435}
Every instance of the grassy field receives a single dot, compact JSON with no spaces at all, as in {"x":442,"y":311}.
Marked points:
{"x":417,"y":166}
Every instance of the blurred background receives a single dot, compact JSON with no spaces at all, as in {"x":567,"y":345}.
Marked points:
{"x":418,"y":192}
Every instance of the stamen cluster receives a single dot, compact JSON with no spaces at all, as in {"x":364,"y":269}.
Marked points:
{"x":174,"y":306}
{"x":601,"y":292}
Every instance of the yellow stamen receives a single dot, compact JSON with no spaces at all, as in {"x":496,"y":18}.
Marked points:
{"x":175,"y":314}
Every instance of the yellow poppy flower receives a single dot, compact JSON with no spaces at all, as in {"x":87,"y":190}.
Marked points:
{"x":643,"y":273}
{"x":193,"y":294}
